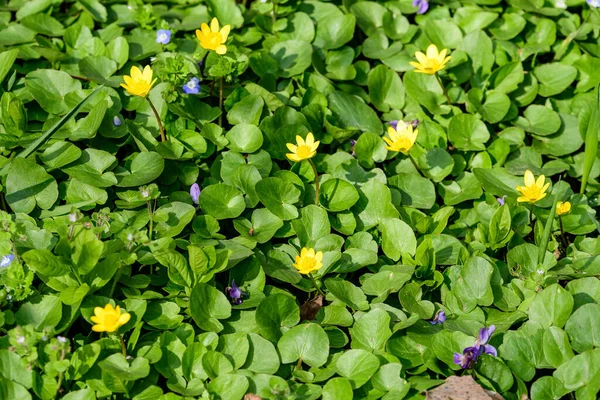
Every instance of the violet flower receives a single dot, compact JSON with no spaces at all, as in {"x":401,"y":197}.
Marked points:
{"x":422,"y":5}
{"x":195,"y":193}
{"x":415,"y":123}
{"x":594,"y":3}
{"x":163,"y":36}
{"x":117,"y":121}
{"x":353,"y":143}
{"x":6,"y":260}
{"x":472,"y":353}
{"x":235,"y":293}
{"x":439,"y":318}
{"x":192,"y":86}
{"x":500,"y":200}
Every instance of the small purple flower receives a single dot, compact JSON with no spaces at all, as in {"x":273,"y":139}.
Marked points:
{"x":470,"y":354}
{"x":422,"y":5}
{"x":117,"y":121}
{"x":415,"y":123}
{"x":192,"y":86}
{"x":439,"y":318}
{"x":353,"y":143}
{"x":163,"y":36}
{"x":6,"y":260}
{"x":235,"y":293}
{"x":594,"y":3}
{"x":500,"y":200}
{"x":393,"y":123}
{"x":195,"y":193}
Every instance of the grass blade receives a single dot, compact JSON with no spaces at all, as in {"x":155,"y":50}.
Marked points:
{"x":48,"y":134}
{"x":591,"y":142}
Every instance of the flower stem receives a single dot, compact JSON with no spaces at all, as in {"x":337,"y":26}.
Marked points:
{"x":315,"y":285}
{"x":160,"y":125}
{"x":414,"y":163}
{"x":221,"y":102}
{"x":531,"y":216}
{"x":123,"y":347}
{"x":314,"y":168}
{"x":562,"y":233}
{"x":299,"y":364}
{"x":444,"y":89}
{"x":274,"y":14}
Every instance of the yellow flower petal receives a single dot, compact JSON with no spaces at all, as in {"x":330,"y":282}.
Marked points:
{"x":293,"y":157}
{"x":214,"y":25}
{"x":221,"y":49}
{"x":529,"y":179}
{"x":225,"y":32}
{"x":432,"y":51}
{"x":292,"y":147}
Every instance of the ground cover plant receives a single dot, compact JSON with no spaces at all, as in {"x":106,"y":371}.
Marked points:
{"x":289,"y":199}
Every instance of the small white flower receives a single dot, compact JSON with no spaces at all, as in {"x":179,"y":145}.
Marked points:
{"x":61,"y":339}
{"x":560,"y":4}
{"x":130,"y":237}
{"x":44,"y":338}
{"x":129,"y":8}
{"x":540,"y":272}
{"x":73,"y":217}
{"x":20,"y":339}
{"x":145,"y":194}
{"x":152,"y":59}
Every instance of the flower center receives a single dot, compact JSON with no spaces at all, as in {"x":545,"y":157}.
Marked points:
{"x":307,"y":263}
{"x":162,"y":37}
{"x":212,"y":40}
{"x":303,"y":151}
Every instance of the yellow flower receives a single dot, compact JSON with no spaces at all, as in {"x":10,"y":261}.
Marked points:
{"x":139,"y":83}
{"x":432,"y":62}
{"x":402,"y":139}
{"x":563,"y":208}
{"x":109,"y":319}
{"x":533,"y":190}
{"x":303,"y":150}
{"x":211,"y":38}
{"x":308,"y":261}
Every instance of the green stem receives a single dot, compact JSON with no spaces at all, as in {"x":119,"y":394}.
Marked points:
{"x":117,"y":278}
{"x":299,"y":364}
{"x":151,"y":221}
{"x":414,"y":163}
{"x":160,"y":125}
{"x":274,"y":14}
{"x":531,"y":216}
{"x":221,"y":102}
{"x":562,"y":233}
{"x":315,"y":285}
{"x":60,"y":377}
{"x":314,"y":168}
{"x":123,"y":347}
{"x":444,"y":89}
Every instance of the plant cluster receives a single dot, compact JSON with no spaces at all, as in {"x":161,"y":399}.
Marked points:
{"x":289,"y":199}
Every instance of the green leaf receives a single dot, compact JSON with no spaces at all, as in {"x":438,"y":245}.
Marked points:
{"x":467,"y":133}
{"x":312,"y":225}
{"x":275,"y":312}
{"x":208,"y":306}
{"x":357,"y":365}
{"x":50,"y":89}
{"x":143,"y":169}
{"x":307,"y":342}
{"x":554,"y":78}
{"x":346,"y":292}
{"x":222,"y":201}
{"x":371,"y":331}
{"x":338,"y":195}
{"x":262,"y":355}
{"x":228,"y":387}
{"x":244,"y":138}
{"x":41,"y":312}
{"x":351,"y":113}
{"x":334,"y":31}
{"x":292,"y":56}
{"x":474,"y":281}
{"x":591,"y":142}
{"x":246,"y":111}
{"x":172,"y":218}
{"x":7,"y":59}
{"x":398,"y":238}
{"x":582,"y":328}
{"x":119,"y":367}
{"x":28,"y":185}
{"x":279,"y":196}
{"x":337,"y":388}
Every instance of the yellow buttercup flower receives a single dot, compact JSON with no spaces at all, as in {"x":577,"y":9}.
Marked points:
{"x":303,"y":150}
{"x":211,"y":38}
{"x":563,"y":208}
{"x":308,"y":261}
{"x":139,"y":83}
{"x":533,"y":190}
{"x":401,"y":139}
{"x":431,"y":62}
{"x":109,"y":319}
